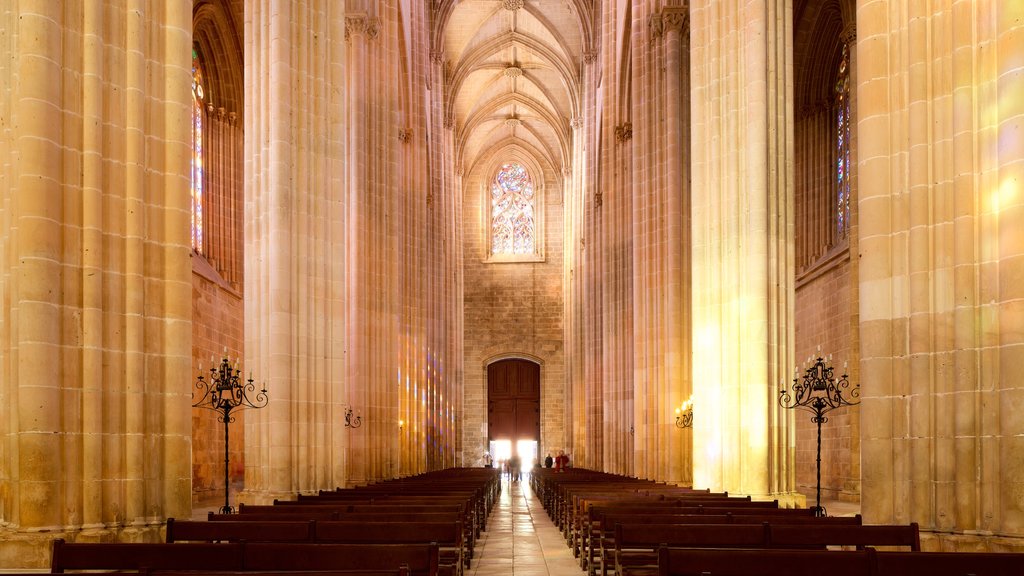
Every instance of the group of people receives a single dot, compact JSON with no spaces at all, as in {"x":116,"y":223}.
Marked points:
{"x":560,"y":463}
{"x":512,"y":467}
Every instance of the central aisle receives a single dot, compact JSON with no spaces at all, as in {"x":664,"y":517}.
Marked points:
{"x":521,"y":540}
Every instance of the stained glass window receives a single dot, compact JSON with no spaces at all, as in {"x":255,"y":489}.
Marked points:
{"x":197,"y":152}
{"x":842,"y":98}
{"x":513,"y":225}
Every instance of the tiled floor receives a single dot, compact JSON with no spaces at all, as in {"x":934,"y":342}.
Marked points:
{"x":521,"y":540}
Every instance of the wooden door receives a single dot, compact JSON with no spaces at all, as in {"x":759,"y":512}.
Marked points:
{"x":513,"y":400}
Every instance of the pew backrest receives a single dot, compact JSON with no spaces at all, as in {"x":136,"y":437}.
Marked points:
{"x":238,"y":530}
{"x":139,"y":556}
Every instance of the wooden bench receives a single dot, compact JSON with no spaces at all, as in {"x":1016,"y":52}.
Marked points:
{"x":868,"y":562}
{"x":238,"y":530}
{"x":420,"y":559}
{"x":139,"y":557}
{"x":601,"y":548}
{"x":741,"y":562}
{"x":635,"y":543}
{"x":949,"y":563}
{"x":822,"y":535}
{"x":449,"y":536}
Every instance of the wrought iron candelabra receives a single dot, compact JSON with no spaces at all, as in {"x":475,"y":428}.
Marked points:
{"x":819,"y":393}
{"x":684,"y":415}
{"x":225,"y":393}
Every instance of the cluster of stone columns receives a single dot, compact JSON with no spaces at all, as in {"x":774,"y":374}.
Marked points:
{"x":94,"y":273}
{"x":940,"y":113}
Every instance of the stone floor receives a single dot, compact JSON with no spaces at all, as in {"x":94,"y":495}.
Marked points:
{"x":521,"y":540}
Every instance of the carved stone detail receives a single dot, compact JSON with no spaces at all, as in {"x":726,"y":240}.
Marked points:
{"x":449,"y":121}
{"x":404,"y":135}
{"x":513,"y":122}
{"x":512,"y":5}
{"x":849,"y":34}
{"x":589,"y":56}
{"x":657,"y":26}
{"x":675,"y":20}
{"x":576,"y":123}
{"x":513,"y":72}
{"x":624,"y":131}
{"x":361,"y":26}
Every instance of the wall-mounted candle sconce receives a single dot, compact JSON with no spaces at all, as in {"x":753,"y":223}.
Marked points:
{"x":352,"y":421}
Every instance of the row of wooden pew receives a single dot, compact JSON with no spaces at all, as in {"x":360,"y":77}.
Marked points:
{"x":420,"y":526}
{"x":630,"y":527}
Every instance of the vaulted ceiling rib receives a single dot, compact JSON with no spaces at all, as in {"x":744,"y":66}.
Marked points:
{"x":513,"y":71}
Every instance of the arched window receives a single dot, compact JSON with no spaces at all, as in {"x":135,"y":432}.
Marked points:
{"x":843,"y":166}
{"x":513,"y":212}
{"x":197,"y":151}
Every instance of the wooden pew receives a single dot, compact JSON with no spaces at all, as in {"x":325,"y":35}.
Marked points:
{"x":868,"y":562}
{"x":601,"y":548}
{"x":422,"y":559}
{"x":138,"y":557}
{"x":635,"y":543}
{"x":238,"y":530}
{"x":449,"y":536}
{"x":821,"y":536}
{"x":741,"y":562}
{"x":950,"y":563}
{"x":401,"y":571}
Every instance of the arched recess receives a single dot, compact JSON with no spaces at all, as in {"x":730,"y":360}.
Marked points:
{"x":826,"y":288}
{"x":217,"y":306}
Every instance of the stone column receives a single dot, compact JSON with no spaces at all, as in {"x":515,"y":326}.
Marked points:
{"x":940,"y":108}
{"x":742,"y":255}
{"x":95,"y":325}
{"x":295,"y":246}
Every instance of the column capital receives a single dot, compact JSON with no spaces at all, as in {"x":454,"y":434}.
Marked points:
{"x":624,"y":131}
{"x":361,"y":25}
{"x":676,"y":19}
{"x":656,"y":25}
{"x":849,"y":33}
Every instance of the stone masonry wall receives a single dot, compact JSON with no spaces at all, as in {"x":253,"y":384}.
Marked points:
{"x":513,"y":310}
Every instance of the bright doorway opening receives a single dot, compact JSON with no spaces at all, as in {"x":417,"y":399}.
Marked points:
{"x":501,"y":451}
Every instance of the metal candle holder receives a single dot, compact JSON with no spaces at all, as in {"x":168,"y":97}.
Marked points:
{"x":819,"y":393}
{"x":684,"y":415}
{"x":353,"y":422}
{"x":224,"y":393}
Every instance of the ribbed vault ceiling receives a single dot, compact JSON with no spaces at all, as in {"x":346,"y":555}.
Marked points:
{"x":513,"y":67}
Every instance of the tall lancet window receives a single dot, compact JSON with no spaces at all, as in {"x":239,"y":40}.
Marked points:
{"x":513,"y":219}
{"x":843,"y":167}
{"x":197,"y":152}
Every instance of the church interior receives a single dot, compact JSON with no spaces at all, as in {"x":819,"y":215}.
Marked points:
{"x":430,"y":234}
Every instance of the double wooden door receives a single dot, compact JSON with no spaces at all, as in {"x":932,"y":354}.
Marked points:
{"x":513,"y":400}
